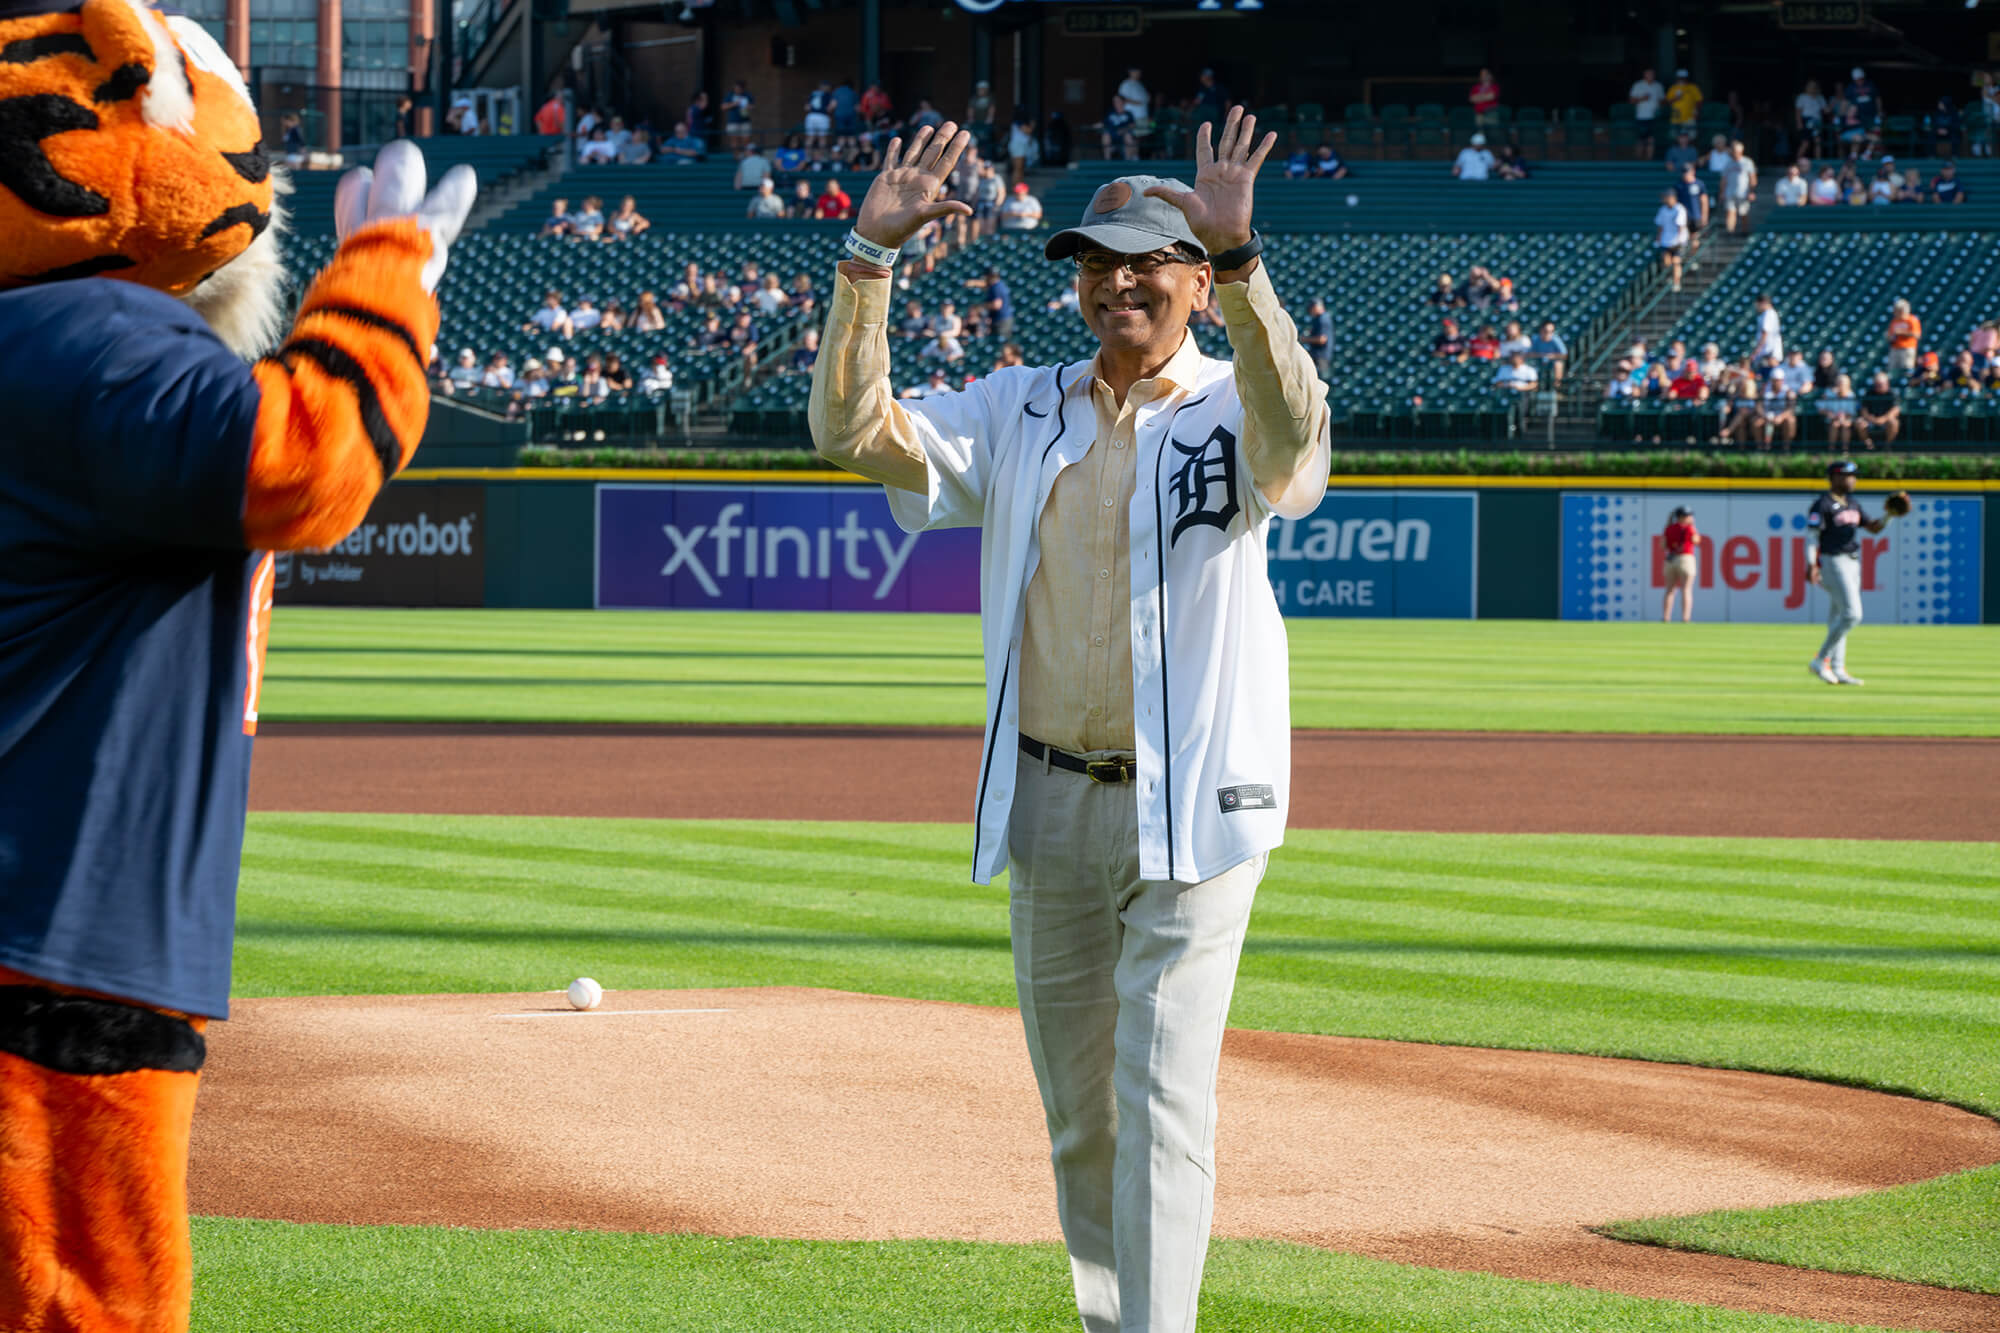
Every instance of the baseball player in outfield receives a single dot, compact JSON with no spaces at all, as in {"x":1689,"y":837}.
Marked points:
{"x":1836,"y":564}
{"x":1137,"y":760}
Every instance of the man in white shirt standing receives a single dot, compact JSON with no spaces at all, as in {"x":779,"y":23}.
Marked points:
{"x":1770,"y":347}
{"x":1136,"y":767}
{"x":1474,"y":163}
{"x":1670,"y":226}
{"x":1739,"y":187}
{"x":1138,"y":100}
{"x":1645,"y":97}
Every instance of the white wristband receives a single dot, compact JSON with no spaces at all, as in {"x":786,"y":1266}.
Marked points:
{"x":868,"y":252}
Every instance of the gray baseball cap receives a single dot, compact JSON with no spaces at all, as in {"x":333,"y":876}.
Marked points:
{"x":1122,"y":218}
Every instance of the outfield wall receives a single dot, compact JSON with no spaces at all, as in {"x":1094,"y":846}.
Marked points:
{"x":1439,"y":547}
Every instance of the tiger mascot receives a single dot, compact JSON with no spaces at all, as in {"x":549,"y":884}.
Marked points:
{"x":148,"y":466}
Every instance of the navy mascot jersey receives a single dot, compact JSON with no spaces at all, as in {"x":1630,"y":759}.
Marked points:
{"x":130,"y":624}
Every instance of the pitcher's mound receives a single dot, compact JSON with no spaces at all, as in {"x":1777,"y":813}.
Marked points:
{"x":827,"y":1115}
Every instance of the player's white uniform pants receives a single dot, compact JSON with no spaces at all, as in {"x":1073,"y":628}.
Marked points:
{"x":1124,"y":987}
{"x":1840,"y":575}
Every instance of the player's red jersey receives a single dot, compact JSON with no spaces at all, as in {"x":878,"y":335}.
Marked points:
{"x":1680,"y":538}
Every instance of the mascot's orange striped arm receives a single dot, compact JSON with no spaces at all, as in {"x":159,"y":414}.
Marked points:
{"x":129,"y":149}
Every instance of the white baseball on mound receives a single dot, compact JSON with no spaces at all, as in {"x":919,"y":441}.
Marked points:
{"x":585,"y":993}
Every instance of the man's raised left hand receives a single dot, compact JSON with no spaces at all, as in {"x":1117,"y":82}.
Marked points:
{"x":1225,"y":179}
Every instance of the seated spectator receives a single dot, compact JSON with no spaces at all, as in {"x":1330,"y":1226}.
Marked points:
{"x":1798,"y":376}
{"x":659,"y":377}
{"x":727,"y":295}
{"x":943,"y":347}
{"x":1909,"y":184}
{"x":1825,"y":188}
{"x":1485,"y":344}
{"x":1065,"y":301}
{"x":532,"y":383}
{"x":711,"y":336}
{"x":833,"y":202}
{"x":1326,"y":164}
{"x":597,"y":149}
{"x":589,"y":224}
{"x":585,"y":316}
{"x":1837,"y":407}
{"x":1513,"y":340}
{"x":618,"y":134}
{"x":498,"y":374}
{"x":947,"y":321}
{"x":1882,"y":190}
{"x":1964,"y":378}
{"x":560,"y":223}
{"x":1657,"y":381}
{"x":1984,"y":340}
{"x":561,"y":369}
{"x":551,"y":317}
{"x":1509,"y":165}
{"x":465,"y":373}
{"x":1316,"y":332}
{"x":293,"y":139}
{"x":770,"y":298}
{"x":1946,"y":187}
{"x":1474,"y":162}
{"x":766,"y":205}
{"x":615,"y":319}
{"x":628,"y":223}
{"x":1023,"y":212}
{"x":1299,"y":165}
{"x":1010,"y":355}
{"x":647,"y":317}
{"x":752,"y":169}
{"x":743,"y":337}
{"x":938,"y":382}
{"x":1825,"y":372}
{"x":1481,"y":290}
{"x":638,"y":150}
{"x":1121,"y":139}
{"x":684,"y":149}
{"x":1445,"y":295}
{"x":1778,"y":416}
{"x":790,"y":159}
{"x":1516,"y":375}
{"x":1448,"y":344}
{"x":1548,"y":350}
{"x":925,"y":116}
{"x":1711,"y":364}
{"x":913,"y":324}
{"x":804,"y":204}
{"x":1879,"y":415}
{"x":1620,"y":384}
{"x":1791,"y":189}
{"x":592,"y":388}
{"x":1927,"y":375}
{"x":805,"y":355}
{"x":1688,"y":386}
{"x":1737,"y":391}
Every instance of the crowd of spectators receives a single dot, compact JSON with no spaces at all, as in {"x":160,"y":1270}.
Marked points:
{"x":1523,"y":361}
{"x":1764,"y":396}
{"x":734,"y":312}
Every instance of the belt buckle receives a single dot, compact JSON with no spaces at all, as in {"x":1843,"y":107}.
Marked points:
{"x":1109,"y":771}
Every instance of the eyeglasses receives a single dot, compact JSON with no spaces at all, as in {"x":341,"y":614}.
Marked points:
{"x":1102,"y":263}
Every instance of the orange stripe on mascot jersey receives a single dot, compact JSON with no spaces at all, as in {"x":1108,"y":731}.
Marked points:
{"x":145,"y":471}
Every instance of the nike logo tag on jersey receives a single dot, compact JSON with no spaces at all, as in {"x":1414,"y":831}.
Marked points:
{"x":1248,"y":796}
{"x":1030,"y":410}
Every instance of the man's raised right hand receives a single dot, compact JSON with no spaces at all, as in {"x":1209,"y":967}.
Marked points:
{"x":904,"y":195}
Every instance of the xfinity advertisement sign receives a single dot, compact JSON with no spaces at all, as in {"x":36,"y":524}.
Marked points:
{"x":795,"y":548}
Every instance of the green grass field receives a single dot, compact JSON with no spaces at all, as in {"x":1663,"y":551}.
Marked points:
{"x":1497,"y":675}
{"x":1876,"y":964}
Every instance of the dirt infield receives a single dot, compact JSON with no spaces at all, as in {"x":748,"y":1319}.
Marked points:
{"x":1444,"y":782}
{"x":826,"y":1115}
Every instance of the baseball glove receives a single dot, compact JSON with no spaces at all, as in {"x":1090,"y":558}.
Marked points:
{"x":1897,"y":505}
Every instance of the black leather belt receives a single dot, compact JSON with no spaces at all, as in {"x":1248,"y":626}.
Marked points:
{"x":1097,"y":770}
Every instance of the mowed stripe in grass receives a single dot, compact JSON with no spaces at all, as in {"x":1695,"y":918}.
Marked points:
{"x":1869,"y":963}
{"x":272,"y":1277}
{"x":333,"y":664}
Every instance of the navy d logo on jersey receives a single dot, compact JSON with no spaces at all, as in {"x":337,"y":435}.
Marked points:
{"x":1204,"y":485}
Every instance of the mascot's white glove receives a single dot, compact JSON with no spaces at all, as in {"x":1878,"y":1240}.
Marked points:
{"x":395,"y":189}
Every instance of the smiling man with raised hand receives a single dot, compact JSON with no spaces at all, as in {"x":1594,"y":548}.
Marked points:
{"x":1137,"y":763}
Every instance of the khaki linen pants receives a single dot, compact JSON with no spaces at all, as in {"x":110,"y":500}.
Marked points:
{"x":1124,"y":986}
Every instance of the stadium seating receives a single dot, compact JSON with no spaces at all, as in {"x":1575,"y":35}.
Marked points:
{"x":691,"y":198}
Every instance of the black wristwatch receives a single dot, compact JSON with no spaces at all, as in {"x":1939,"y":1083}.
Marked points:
{"x":1230,"y":260}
